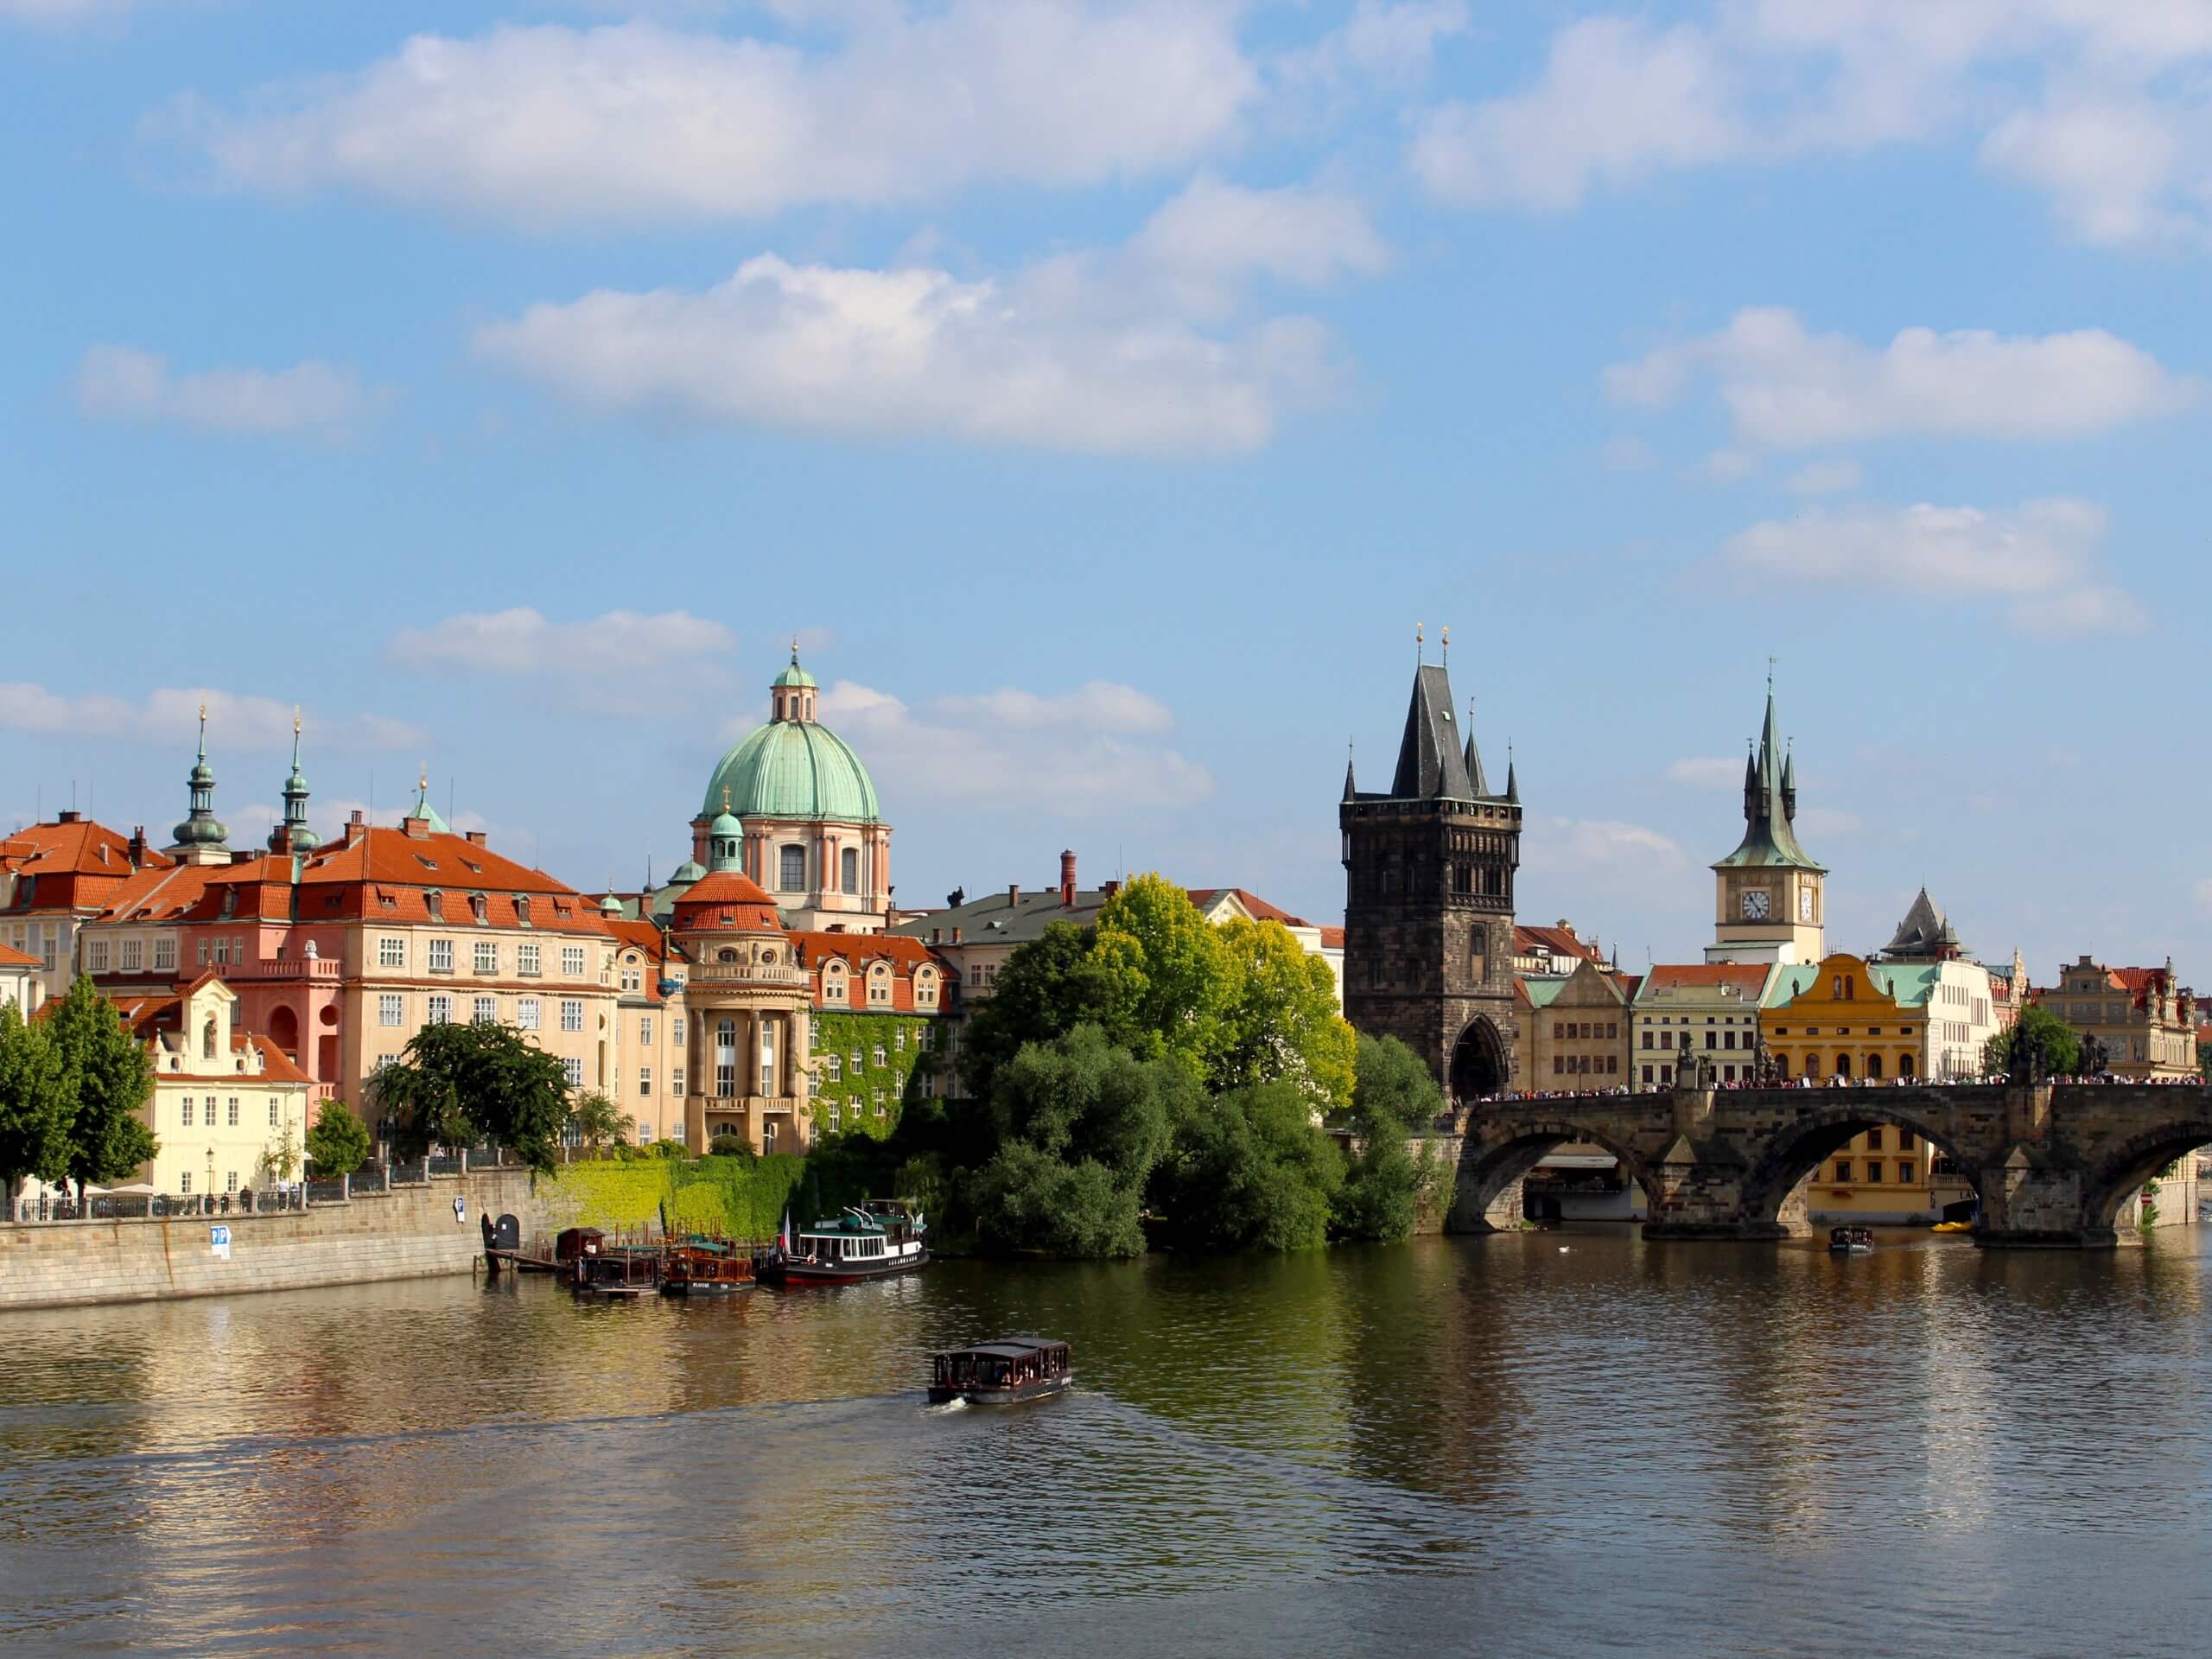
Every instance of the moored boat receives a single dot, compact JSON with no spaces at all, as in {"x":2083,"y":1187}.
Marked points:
{"x":1952,"y":1227}
{"x":706,"y":1266}
{"x":1853,"y":1241}
{"x":875,"y":1241}
{"x":1001,"y":1373}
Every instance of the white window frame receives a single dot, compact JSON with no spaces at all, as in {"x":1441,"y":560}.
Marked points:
{"x":392,"y":1008}
{"x":572,"y":960}
{"x":484,"y":957}
{"x":572,"y":1014}
{"x":440,"y":1012}
{"x":526,"y":1013}
{"x":392,"y":951}
{"x":441,"y":956}
{"x":527,"y":960}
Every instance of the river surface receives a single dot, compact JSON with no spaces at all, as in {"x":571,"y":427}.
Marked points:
{"x":1557,"y":1443}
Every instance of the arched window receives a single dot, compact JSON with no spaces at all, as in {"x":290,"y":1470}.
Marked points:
{"x":1873,"y":1065}
{"x":1905,"y":1065}
{"x":1812,"y":1066}
{"x":791,"y":876}
{"x":1843,"y":1065}
{"x":725,"y":954}
{"x":1849,"y":987}
{"x":725,"y":1058}
{"x":848,"y":870}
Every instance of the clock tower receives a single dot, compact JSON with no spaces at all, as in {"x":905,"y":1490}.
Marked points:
{"x":1770,"y":902}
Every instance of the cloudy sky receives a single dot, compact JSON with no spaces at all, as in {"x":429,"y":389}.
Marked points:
{"x":1103,"y":393}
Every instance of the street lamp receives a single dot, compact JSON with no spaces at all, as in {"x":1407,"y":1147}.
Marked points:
{"x":208,"y":1203}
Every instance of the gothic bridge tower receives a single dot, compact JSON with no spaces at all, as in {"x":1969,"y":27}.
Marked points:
{"x":1429,"y":900}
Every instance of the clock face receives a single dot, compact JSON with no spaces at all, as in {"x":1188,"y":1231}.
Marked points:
{"x":1755,"y":905}
{"x":1804,"y":904}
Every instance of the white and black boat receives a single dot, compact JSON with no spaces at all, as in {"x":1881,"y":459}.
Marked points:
{"x":876,"y":1240}
{"x":1001,"y":1373}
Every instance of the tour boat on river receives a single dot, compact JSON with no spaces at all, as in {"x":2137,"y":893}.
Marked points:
{"x":1001,"y":1373}
{"x":698,"y":1266}
{"x":871,"y":1241}
{"x":1851,"y":1240}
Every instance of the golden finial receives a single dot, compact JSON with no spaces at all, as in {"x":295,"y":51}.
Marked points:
{"x":1418,"y":655}
{"x":203,"y":714}
{"x":422,"y":778}
{"x":296,"y":720}
{"x":794,"y":647}
{"x":725,"y":798}
{"x":1448,"y":642}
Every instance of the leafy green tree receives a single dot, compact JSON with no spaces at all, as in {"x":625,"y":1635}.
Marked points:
{"x":34,"y":1106}
{"x":458,"y":1085}
{"x":339,"y":1142}
{"x":1394,"y":1093}
{"x":1171,"y":982}
{"x":1281,"y":1022}
{"x":1044,"y":989}
{"x":1249,"y":1171}
{"x":1081,"y":1124}
{"x":2056,"y":1048}
{"x":108,"y":1079}
{"x":600,"y":1122}
{"x":279,"y":1160}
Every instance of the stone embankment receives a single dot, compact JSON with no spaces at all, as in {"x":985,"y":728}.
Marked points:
{"x":408,"y":1233}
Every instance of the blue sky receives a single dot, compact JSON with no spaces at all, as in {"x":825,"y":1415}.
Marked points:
{"x":1103,"y":393}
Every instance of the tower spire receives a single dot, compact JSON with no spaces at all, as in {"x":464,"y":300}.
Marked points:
{"x":293,"y":835}
{"x":201,"y":838}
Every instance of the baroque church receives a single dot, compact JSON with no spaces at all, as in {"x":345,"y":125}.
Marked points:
{"x":802,"y":813}
{"x":1429,"y":867}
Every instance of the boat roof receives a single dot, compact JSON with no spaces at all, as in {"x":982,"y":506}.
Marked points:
{"x":843,"y":1226}
{"x":1008,"y":1347}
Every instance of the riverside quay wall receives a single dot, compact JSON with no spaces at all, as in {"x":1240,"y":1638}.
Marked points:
{"x":407,"y":1233}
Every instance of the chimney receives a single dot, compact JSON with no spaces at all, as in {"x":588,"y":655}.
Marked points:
{"x":356,"y":826}
{"x":1013,"y":894}
{"x":1067,"y":881}
{"x":476,"y":837}
{"x":279,"y":840}
{"x":137,"y":845}
{"x":71,"y":816}
{"x":416,"y":829}
{"x":1109,"y":889}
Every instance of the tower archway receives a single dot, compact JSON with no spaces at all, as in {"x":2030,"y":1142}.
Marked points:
{"x":1477,"y":1067}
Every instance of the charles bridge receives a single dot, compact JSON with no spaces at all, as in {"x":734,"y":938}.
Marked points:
{"x":2052,"y":1162}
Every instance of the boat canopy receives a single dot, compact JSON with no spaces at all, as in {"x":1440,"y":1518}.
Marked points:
{"x":1006,"y":1348}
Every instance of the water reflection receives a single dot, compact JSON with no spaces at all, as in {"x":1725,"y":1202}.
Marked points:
{"x":1574,"y":1438}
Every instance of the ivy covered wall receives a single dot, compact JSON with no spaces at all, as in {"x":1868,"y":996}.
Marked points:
{"x":865,"y":1066}
{"x":739,"y":1197}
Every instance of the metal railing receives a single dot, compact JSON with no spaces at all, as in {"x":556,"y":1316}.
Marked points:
{"x":160,"y":1206}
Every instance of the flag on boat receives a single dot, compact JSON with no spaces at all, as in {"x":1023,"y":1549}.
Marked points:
{"x":784,"y":1238}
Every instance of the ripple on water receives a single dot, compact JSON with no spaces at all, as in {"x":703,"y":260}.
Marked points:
{"x":1624,"y":1447}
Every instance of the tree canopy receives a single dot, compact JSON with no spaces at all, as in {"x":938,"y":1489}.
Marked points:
{"x":35,"y":1106}
{"x":599,"y":1121}
{"x":459,"y":1085}
{"x":107,"y":1079}
{"x":339,"y":1142}
{"x":1249,"y":1171}
{"x":1081,"y":1125}
{"x":1394,"y":1093}
{"x":1046,"y":989}
{"x":2038,"y":1033}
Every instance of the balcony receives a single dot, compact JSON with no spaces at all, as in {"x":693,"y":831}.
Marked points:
{"x":329,"y":969}
{"x":777,"y":976}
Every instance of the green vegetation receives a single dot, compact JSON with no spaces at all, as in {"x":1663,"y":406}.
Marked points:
{"x":2038,"y":1036}
{"x":339,"y":1142}
{"x":35,"y":1107}
{"x":739,"y":1197}
{"x":463,"y":1085}
{"x":866,"y":1063}
{"x":107,"y":1080}
{"x":1156,"y":1078}
{"x":599,"y":1121}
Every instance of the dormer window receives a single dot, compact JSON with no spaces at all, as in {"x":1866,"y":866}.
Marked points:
{"x":522,"y":908}
{"x":436,"y":902}
{"x":479,"y":908}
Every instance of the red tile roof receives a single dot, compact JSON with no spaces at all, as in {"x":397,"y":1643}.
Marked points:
{"x":63,"y":866}
{"x":904,"y":954}
{"x":1260,"y":908}
{"x":1560,"y":941}
{"x":727,"y":899}
{"x":1332,"y":938}
{"x":11,"y":957}
{"x":1748,"y":978}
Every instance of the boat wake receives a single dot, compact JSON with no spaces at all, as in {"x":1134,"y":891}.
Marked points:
{"x":945,"y":1410}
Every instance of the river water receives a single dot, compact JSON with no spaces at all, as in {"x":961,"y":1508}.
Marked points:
{"x":1557,"y":1443}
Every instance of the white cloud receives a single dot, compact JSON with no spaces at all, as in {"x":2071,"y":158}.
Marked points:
{"x":1708,"y":772}
{"x":1206,"y":241}
{"x":1824,"y":478}
{"x":2040,"y":556}
{"x":1599,"y":844}
{"x":1617,"y":101}
{"x":1101,"y":705}
{"x":523,"y":641}
{"x":1389,"y":44}
{"x":2100,"y":104}
{"x":172,"y":715}
{"x":1052,"y":359}
{"x":987,"y":754}
{"x":311,"y":399}
{"x":1726,"y":466}
{"x":1787,"y":388}
{"x":637,"y":123}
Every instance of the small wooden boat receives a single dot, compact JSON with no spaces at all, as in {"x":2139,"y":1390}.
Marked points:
{"x":1001,"y":1373}
{"x":706,"y":1266}
{"x":874,"y":1241}
{"x":1851,"y":1240}
{"x":598,"y":1269}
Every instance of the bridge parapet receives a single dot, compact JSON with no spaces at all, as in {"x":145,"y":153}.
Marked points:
{"x":2053,"y":1164}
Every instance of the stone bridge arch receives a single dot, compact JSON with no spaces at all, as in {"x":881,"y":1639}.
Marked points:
{"x":1478,"y":1065}
{"x":2119,"y":1173}
{"x":1500,"y":1147}
{"x":1794,"y":1149}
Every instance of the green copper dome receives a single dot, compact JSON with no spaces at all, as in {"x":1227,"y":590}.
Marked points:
{"x":793,"y":769}
{"x":793,"y":676}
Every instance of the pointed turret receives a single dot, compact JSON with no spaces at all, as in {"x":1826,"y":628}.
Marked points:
{"x":201,"y":838}
{"x":293,"y":835}
{"x":1512,"y":778}
{"x":1770,"y":802}
{"x":1431,"y":765}
{"x":1352,"y":793}
{"x":1925,"y":934}
{"x":1473,"y":758}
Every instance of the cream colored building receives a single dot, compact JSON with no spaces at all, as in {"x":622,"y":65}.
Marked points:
{"x":1708,"y":1010}
{"x":227,"y":1106}
{"x":2144,"y":1017}
{"x":1574,"y":1030}
{"x":22,"y":980}
{"x":1769,"y":898}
